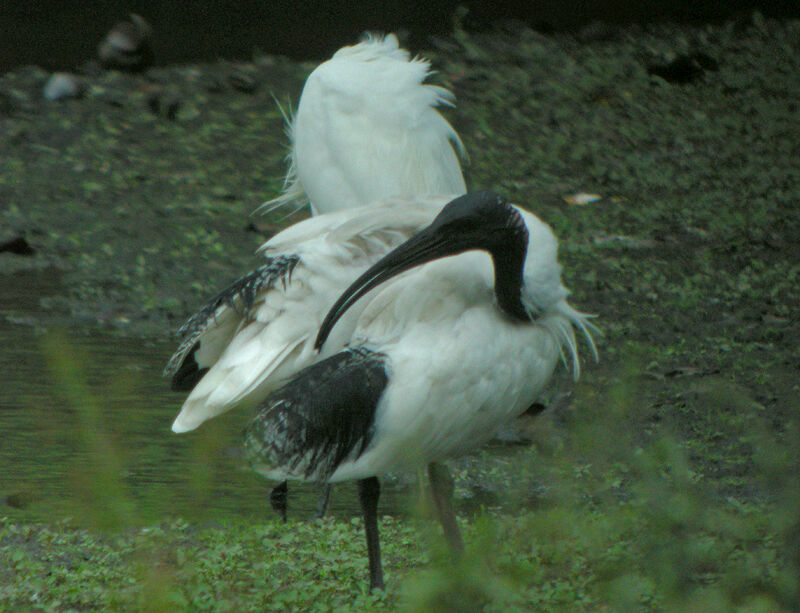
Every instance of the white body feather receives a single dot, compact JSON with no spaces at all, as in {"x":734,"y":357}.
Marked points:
{"x":450,"y":397}
{"x":366,"y":128}
{"x":460,"y":368}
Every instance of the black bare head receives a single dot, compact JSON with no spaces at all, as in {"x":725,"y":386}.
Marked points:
{"x":478,"y":220}
{"x":483,"y":218}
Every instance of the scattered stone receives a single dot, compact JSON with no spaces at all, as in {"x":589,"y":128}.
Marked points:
{"x":62,"y":85}
{"x":16,"y":245}
{"x":581,"y":198}
{"x":242,"y":83}
{"x":684,"y":68}
{"x":164,"y":103}
{"x":127,"y":46}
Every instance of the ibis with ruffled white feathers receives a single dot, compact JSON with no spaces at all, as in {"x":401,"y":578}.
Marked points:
{"x":371,"y":155}
{"x":366,"y":134}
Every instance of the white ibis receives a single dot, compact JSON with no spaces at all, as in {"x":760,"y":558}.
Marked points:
{"x":366,"y":132}
{"x":438,"y":360}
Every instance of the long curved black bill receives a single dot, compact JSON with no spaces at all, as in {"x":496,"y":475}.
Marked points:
{"x":425,"y":246}
{"x":478,"y":220}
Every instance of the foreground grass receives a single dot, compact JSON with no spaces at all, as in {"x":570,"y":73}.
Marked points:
{"x":663,"y":544}
{"x":592,"y":517}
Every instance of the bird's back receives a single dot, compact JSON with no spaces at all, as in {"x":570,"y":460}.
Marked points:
{"x":367,"y":128}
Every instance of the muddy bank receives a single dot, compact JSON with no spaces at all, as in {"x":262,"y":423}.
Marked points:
{"x":141,"y":191}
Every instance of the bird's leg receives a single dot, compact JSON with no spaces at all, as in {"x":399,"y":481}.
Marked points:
{"x":278,"y":499}
{"x":324,"y":500}
{"x":442,"y":490}
{"x":368,"y":492}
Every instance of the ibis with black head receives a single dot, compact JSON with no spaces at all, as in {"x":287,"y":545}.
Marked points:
{"x":438,"y":359}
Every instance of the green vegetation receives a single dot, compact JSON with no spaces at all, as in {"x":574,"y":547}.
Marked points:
{"x":667,"y":479}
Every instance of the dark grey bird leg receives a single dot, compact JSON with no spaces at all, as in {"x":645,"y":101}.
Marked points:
{"x":324,"y":500}
{"x":442,"y":490}
{"x":278,"y":499}
{"x":368,"y":492}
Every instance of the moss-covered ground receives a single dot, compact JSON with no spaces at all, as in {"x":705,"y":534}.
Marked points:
{"x":667,"y":479}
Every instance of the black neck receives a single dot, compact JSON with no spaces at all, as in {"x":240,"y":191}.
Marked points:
{"x":509,"y":262}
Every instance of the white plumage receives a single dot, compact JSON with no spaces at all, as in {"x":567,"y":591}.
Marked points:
{"x":424,"y":367}
{"x":459,"y":367}
{"x":367,"y":128}
{"x":366,"y":132}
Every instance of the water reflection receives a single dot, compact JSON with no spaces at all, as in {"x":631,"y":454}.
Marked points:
{"x":85,"y":419}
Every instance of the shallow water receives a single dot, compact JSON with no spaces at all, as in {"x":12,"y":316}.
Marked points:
{"x":85,"y":420}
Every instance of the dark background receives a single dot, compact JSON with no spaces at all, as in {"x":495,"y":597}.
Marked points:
{"x":60,"y":34}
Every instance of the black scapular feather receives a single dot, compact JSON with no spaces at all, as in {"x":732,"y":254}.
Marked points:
{"x":321,"y":417}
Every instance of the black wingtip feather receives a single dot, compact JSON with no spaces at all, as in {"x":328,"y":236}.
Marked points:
{"x":188,"y":373}
{"x":241,"y":295}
